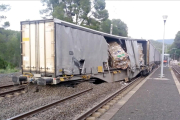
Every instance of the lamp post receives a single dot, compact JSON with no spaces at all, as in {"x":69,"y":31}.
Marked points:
{"x":162,"y":60}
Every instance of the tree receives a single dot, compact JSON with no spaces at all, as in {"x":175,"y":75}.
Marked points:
{"x":176,"y":44}
{"x":4,"y":8}
{"x":6,"y":24}
{"x":97,"y":11}
{"x":105,"y":26}
{"x":177,"y":40}
{"x":87,"y":13}
{"x":119,"y":27}
{"x":50,"y":6}
{"x":82,"y":12}
{"x":9,"y":48}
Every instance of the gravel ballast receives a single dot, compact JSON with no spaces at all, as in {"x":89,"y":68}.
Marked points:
{"x":69,"y":109}
{"x":6,"y":79}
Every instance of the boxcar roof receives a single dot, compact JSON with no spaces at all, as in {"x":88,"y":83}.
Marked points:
{"x":80,"y":28}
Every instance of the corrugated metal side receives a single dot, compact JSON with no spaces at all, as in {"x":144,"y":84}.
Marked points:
{"x":25,"y":48}
{"x":136,"y":53}
{"x":131,"y":54}
{"x":79,"y":52}
{"x":151,"y":54}
{"x":157,"y":55}
{"x":38,"y":47}
{"x":21,"y":50}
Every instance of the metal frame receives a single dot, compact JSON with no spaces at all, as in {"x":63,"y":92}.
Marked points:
{"x":40,"y":21}
{"x":55,"y":49}
{"x":21,"y":42}
{"x":45,"y":48}
{"x":29,"y":47}
{"x":67,"y":24}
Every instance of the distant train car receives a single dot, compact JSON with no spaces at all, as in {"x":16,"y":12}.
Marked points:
{"x":55,"y":51}
{"x":153,"y":58}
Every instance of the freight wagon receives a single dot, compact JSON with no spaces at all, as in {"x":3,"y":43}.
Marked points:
{"x":54,"y":51}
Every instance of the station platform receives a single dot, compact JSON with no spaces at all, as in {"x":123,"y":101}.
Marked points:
{"x":155,"y":99}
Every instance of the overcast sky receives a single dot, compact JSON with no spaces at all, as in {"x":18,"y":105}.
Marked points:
{"x":143,"y":18}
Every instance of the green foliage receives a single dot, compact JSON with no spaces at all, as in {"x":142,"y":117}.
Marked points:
{"x":88,"y":13}
{"x":6,"y":24}
{"x":158,"y":45}
{"x":60,"y":13}
{"x":4,"y":8}
{"x":174,"y":50}
{"x":66,"y":9}
{"x":119,"y":27}
{"x":105,"y":26}
{"x":3,"y":64}
{"x":82,"y":12}
{"x":177,"y":40}
{"x":50,"y":4}
{"x":8,"y":70}
{"x":9,"y":48}
{"x":100,"y":12}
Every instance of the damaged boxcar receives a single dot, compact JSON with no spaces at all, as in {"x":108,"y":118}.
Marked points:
{"x":54,"y":51}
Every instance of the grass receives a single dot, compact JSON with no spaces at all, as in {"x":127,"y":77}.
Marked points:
{"x":5,"y":71}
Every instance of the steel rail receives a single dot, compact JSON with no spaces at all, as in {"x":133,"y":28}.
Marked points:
{"x":101,"y":104}
{"x":34,"y":111}
{"x":6,"y":86}
{"x":176,"y":70}
{"x":11,"y":91}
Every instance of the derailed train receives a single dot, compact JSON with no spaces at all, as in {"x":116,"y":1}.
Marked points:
{"x":55,"y":51}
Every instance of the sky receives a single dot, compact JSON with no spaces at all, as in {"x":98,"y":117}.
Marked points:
{"x":143,"y":18}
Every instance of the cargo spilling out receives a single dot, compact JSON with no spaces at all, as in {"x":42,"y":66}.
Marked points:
{"x":55,"y":51}
{"x":118,"y":57}
{"x":141,"y":55}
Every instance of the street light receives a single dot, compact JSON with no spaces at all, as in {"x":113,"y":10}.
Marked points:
{"x":164,"y":18}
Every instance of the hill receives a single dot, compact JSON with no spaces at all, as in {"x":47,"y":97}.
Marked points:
{"x":158,"y":45}
{"x":167,"y":41}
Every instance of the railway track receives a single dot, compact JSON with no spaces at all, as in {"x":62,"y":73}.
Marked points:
{"x":176,"y":69}
{"x":11,"y":91}
{"x":37,"y":110}
{"x":6,"y":86}
{"x":109,"y":101}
